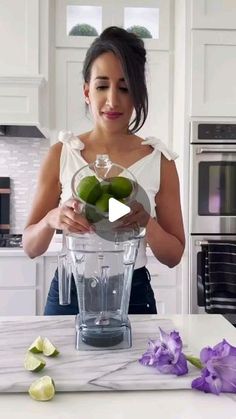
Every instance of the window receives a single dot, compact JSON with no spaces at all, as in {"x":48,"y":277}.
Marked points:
{"x":143,"y":21}
{"x":79,"y":21}
{"x":83,"y":20}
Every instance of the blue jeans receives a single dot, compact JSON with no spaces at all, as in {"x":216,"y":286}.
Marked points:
{"x":142,"y":300}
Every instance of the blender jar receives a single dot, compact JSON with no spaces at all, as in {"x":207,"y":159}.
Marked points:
{"x":103,"y":273}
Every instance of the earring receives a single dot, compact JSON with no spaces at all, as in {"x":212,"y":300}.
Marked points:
{"x":87,"y":100}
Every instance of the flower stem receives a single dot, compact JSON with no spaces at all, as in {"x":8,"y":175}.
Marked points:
{"x":194,"y":361}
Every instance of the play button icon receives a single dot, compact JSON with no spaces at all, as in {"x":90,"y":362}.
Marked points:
{"x":117,"y":209}
{"x":107,"y":225}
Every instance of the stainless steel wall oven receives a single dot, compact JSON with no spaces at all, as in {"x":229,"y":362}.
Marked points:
{"x":213,"y":218}
{"x":213,"y":185}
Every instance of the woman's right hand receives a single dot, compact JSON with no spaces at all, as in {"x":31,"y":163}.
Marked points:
{"x":67,"y":217}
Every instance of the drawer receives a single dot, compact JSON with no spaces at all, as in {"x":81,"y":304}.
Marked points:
{"x":20,"y":302}
{"x":166,"y":300}
{"x":17,"y":271}
{"x":160,"y":273}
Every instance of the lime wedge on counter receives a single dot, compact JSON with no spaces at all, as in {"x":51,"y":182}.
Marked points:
{"x":37,"y":345}
{"x":33,"y":362}
{"x":48,"y":348}
{"x":42,"y":389}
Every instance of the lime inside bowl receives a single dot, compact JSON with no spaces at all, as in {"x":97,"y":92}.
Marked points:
{"x":94,"y":192}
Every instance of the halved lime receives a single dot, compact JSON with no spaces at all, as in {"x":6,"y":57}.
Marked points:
{"x":36,"y":346}
{"x":33,"y":362}
{"x":49,"y":349}
{"x":42,"y":389}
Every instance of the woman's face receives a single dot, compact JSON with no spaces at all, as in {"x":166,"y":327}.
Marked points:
{"x":107,"y":94}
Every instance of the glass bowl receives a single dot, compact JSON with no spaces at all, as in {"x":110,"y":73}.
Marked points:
{"x":104,"y":171}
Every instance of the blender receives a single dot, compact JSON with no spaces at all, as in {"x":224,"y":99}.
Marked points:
{"x":102,"y":264}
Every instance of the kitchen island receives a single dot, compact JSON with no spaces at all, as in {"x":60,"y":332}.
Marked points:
{"x":94,"y":384}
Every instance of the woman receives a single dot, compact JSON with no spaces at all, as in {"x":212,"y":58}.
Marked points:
{"x":115,"y":91}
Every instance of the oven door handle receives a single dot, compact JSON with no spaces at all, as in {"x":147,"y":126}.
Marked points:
{"x":201,"y":150}
{"x":201,"y":242}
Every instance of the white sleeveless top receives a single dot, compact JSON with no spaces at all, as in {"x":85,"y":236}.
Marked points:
{"x":146,"y":170}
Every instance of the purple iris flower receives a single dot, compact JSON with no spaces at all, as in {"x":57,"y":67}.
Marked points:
{"x":165,"y":354}
{"x":219,"y":372}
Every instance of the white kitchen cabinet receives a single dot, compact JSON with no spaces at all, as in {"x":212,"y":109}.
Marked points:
{"x":161,"y":274}
{"x":24,"y":72}
{"x":164,"y":284}
{"x":165,"y":300}
{"x":19,"y":37}
{"x":213,"y":87}
{"x":50,"y":265}
{"x":24,"y":283}
{"x":70,"y":105}
{"x":17,"y":302}
{"x":70,"y":110}
{"x":18,"y":286}
{"x":213,"y":14}
{"x":69,"y":99}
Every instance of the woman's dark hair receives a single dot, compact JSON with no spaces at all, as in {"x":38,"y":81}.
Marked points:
{"x":129,"y":48}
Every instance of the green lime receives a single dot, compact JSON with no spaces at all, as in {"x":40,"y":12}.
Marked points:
{"x":49,"y":349}
{"x":36,"y":346}
{"x":42,"y":389}
{"x":33,"y":362}
{"x":105,"y":186}
{"x":89,"y":189}
{"x":102,"y":204}
{"x":120,"y":187}
{"x":92,"y":214}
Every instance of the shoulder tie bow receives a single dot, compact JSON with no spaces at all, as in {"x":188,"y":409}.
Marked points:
{"x":156,"y":143}
{"x":68,"y":137}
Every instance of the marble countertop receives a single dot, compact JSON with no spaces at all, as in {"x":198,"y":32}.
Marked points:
{"x":196,"y":330}
{"x":96,"y":370}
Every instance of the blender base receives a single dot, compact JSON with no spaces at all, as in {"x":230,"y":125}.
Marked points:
{"x":92,"y":337}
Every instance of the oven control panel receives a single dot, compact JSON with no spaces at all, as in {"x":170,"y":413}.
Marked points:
{"x":212,"y":132}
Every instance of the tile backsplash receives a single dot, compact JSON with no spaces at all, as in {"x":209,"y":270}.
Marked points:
{"x":20,"y":159}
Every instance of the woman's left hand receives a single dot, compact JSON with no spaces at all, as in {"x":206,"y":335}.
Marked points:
{"x":138,"y":216}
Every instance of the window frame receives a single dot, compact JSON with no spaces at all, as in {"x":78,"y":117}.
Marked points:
{"x":112,"y":16}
